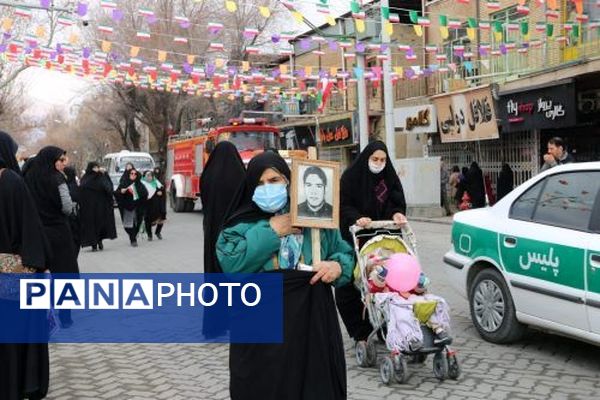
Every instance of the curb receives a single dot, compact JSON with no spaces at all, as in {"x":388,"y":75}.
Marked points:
{"x":430,"y":220}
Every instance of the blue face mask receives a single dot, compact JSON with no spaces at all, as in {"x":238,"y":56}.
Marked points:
{"x":271,"y":197}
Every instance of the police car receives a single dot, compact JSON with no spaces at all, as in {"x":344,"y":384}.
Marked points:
{"x":533,"y":259}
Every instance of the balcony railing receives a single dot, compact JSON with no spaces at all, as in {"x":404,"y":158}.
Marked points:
{"x":297,"y":107}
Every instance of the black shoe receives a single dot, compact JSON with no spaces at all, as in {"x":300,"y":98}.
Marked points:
{"x":100,"y":246}
{"x":441,"y":338}
{"x":159,"y":236}
{"x":134,"y":244}
{"x":94,"y":248}
{"x":149,"y":238}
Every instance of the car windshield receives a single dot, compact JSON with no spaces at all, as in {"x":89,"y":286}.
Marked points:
{"x":245,"y":141}
{"x":140,"y":163}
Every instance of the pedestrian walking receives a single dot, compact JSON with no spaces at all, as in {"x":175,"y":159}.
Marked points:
{"x":505,"y":181}
{"x":370,"y":191}
{"x":96,"y":208}
{"x":259,"y":237}
{"x":131,"y":195}
{"x":24,"y":368}
{"x":155,"y":209}
{"x":46,"y":181}
{"x":453,"y":182}
{"x":223,"y":175}
{"x":444,"y":180}
{"x":461,"y":188}
{"x":557,"y":154}
{"x":475,"y":186}
{"x":74,"y":218}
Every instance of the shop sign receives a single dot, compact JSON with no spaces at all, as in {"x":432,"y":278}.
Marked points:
{"x":552,"y":107}
{"x":336,"y":133}
{"x":466,"y":116}
{"x":420,"y":119}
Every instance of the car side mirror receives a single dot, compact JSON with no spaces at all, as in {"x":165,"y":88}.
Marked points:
{"x":210,"y":146}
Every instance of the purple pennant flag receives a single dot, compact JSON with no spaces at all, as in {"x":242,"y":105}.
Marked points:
{"x":187,"y":68}
{"x":45,"y":4}
{"x":114,"y":56}
{"x":117,"y":15}
{"x":59,"y":48}
{"x":305,"y":44}
{"x":323,"y":74}
{"x":526,"y":45}
{"x":384,"y":48}
{"x":210,"y":69}
{"x":427,"y":72}
{"x":53,"y":55}
{"x":275,"y":38}
{"x":503,"y":49}
{"x":185,"y":24}
{"x":333,"y":46}
{"x":232,"y":70}
{"x":483,"y":51}
{"x":360,"y":47}
{"x":301,"y":73}
{"x":2,"y":47}
{"x":151,"y":19}
{"x":409,"y":73}
{"x":86,"y":52}
{"x":6,"y":35}
{"x":275,"y":73}
{"x":27,"y":50}
{"x":82,"y":9}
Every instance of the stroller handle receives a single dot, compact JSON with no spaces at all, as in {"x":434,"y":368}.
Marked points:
{"x":377,"y":225}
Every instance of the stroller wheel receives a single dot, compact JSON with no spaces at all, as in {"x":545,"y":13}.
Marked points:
{"x":400,"y":369}
{"x":371,"y":352}
{"x":440,"y":366}
{"x":362,"y":354}
{"x":453,"y":367}
{"x":386,"y":370}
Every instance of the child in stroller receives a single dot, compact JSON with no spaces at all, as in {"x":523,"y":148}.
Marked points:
{"x":411,"y":322}
{"x":406,"y":301}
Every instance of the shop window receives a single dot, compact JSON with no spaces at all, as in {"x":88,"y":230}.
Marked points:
{"x":524,"y":206}
{"x":567,"y":200}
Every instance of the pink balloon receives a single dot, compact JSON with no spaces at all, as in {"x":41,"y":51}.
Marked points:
{"x":403,"y":271}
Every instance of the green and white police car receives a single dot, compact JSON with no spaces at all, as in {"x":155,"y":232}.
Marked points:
{"x":533,"y":259}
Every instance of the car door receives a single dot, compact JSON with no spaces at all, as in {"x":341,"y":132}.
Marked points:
{"x":543,"y":247}
{"x":593,"y":270}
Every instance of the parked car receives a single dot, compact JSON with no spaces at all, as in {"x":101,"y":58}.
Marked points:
{"x":533,"y":259}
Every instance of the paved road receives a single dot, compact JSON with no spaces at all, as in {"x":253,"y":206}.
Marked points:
{"x":540,"y":367}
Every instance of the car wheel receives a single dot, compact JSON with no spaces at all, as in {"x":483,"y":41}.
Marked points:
{"x":492,"y":308}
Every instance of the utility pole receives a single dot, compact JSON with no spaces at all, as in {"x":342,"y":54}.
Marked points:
{"x":363,"y":112}
{"x":388,"y":88}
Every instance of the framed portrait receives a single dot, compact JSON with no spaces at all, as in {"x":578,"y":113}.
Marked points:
{"x":315,"y":197}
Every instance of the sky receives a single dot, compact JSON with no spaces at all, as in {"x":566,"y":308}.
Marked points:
{"x":48,"y":90}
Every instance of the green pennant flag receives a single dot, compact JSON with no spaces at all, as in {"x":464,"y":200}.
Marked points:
{"x":385,"y":12}
{"x":472,"y":22}
{"x":324,"y":1}
{"x":549,"y":30}
{"x":443,"y":20}
{"x":524,"y":28}
{"x":497,"y":26}
{"x":575,"y":31}
{"x":414,"y":16}
{"x":354,"y":7}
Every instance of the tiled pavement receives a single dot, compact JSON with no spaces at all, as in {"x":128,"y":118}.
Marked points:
{"x":540,"y":367}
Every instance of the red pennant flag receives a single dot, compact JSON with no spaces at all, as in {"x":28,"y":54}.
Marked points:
{"x":107,"y":69}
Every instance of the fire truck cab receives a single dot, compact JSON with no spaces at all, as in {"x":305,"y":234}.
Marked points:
{"x":187,"y":154}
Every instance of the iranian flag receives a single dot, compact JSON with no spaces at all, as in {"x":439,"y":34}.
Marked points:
{"x":133,"y":192}
{"x":325,"y":87}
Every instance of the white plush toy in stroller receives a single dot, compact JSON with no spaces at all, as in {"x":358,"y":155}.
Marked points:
{"x":411,"y":322}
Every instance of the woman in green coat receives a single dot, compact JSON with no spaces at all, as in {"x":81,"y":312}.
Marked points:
{"x":259,"y":237}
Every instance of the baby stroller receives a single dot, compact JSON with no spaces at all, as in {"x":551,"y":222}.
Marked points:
{"x":387,"y":236}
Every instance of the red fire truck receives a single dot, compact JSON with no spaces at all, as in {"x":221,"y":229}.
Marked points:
{"x":187,"y":154}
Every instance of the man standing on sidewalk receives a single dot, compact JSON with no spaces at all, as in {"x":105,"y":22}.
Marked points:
{"x":557,"y":155}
